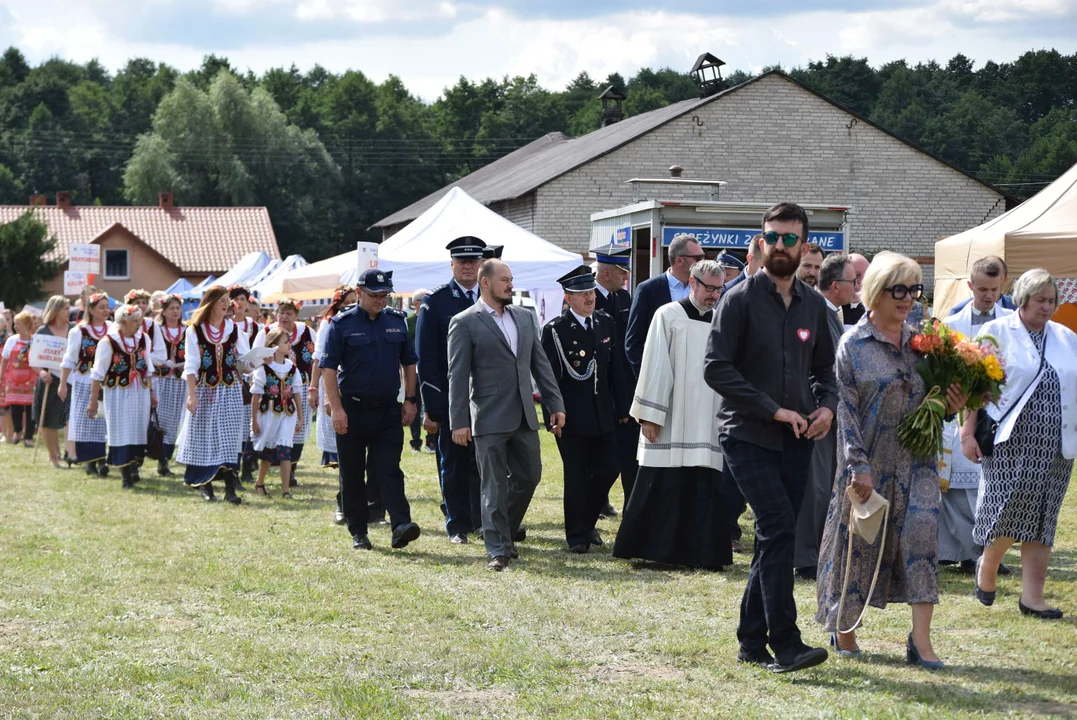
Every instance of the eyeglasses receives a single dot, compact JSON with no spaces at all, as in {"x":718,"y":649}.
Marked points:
{"x":710,"y":288}
{"x":694,"y":258}
{"x":854,"y":282}
{"x":900,"y":292}
{"x":788,"y":239}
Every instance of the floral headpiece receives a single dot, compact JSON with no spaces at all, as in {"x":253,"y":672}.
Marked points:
{"x":96,"y":298}
{"x":290,"y":303}
{"x":169,"y":298}
{"x":134,"y":295}
{"x":342,"y":292}
{"x":235,"y":291}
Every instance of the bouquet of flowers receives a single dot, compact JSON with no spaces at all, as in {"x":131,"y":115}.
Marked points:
{"x":948,"y":357}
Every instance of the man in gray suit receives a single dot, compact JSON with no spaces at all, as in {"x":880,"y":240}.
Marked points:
{"x":494,"y":350}
{"x":837,"y":284}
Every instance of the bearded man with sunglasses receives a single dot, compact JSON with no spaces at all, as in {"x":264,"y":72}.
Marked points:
{"x":770,"y":357}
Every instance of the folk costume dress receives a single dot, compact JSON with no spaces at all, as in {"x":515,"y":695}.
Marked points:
{"x":19,"y":381}
{"x":210,"y":439}
{"x":89,"y":435}
{"x":304,"y":345}
{"x":325,"y":436}
{"x":169,"y":355}
{"x":676,"y":513}
{"x":276,"y":386}
{"x":251,"y":330}
{"x":124,"y":367}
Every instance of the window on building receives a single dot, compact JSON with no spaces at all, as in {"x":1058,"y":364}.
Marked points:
{"x":116,"y":265}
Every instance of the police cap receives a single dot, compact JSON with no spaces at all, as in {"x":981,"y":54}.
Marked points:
{"x":375,"y":280}
{"x":492,"y":251}
{"x":466,"y":247}
{"x":579,"y":280}
{"x":726,"y":260}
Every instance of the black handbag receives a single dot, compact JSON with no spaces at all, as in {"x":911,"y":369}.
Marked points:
{"x":155,"y":439}
{"x":986,"y":427}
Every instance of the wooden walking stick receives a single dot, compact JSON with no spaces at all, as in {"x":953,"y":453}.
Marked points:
{"x":40,"y":420}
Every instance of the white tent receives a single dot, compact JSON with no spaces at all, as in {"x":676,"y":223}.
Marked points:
{"x":248,"y":268}
{"x":270,"y":281}
{"x":418,"y":258}
{"x":1040,"y":232}
{"x":312,"y":281}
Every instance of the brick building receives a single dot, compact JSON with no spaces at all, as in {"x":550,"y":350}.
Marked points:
{"x":151,"y":247}
{"x":771,"y":138}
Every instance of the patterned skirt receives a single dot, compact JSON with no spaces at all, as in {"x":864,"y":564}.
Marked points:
{"x":88,"y":435}
{"x":303,"y":419}
{"x":1025,"y":480}
{"x":127,"y":416}
{"x":211,"y":438}
{"x":171,"y":404}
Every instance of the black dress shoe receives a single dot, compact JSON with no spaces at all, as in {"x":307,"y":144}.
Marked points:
{"x":1003,"y":570}
{"x":581,"y":549}
{"x":985,"y":597}
{"x":798,"y":657}
{"x":596,"y":539}
{"x":404,"y":534}
{"x":608,"y":512}
{"x":805,"y":573}
{"x":499,"y":563}
{"x":758,"y":656}
{"x":163,"y":469}
{"x":338,"y":517}
{"x":207,"y":492}
{"x":458,"y":539}
{"x":361,"y":542}
{"x":1048,"y":614}
{"x":520,"y":535}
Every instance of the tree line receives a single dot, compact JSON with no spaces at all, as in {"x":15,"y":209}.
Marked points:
{"x":329,"y":154}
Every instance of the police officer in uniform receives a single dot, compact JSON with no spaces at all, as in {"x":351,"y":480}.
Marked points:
{"x":366,"y":347}
{"x":583,"y":348}
{"x":612,"y":299}
{"x":459,"y":469}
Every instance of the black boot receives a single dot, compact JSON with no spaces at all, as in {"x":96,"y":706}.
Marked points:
{"x":162,"y":468}
{"x":247,"y":466}
{"x":102,"y":468}
{"x":207,"y":492}
{"x":230,"y":488}
{"x":127,"y":473}
{"x":91,"y":468}
{"x":136,"y":476}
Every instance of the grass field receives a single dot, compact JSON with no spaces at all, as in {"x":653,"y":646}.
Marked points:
{"x":152,"y":604}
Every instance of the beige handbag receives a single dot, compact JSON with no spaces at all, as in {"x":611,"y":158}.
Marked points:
{"x":865,"y":520}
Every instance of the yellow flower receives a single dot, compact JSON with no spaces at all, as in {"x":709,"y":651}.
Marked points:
{"x":993,"y":368}
{"x":958,"y":336}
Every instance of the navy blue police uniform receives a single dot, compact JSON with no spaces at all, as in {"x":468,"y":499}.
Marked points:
{"x":458,"y":468}
{"x":368,"y":354}
{"x":617,"y":305}
{"x":585,"y":356}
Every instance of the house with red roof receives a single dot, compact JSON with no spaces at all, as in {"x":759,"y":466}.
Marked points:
{"x":151,"y":247}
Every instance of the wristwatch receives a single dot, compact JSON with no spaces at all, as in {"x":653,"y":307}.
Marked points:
{"x":411,"y":398}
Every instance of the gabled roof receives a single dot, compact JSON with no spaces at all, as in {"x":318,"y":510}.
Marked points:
{"x":548,"y":158}
{"x":194,"y":239}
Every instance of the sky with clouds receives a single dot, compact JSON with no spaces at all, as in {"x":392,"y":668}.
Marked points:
{"x":431,"y":43}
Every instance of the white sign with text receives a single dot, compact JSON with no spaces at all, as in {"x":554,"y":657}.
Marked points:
{"x":84,"y":258}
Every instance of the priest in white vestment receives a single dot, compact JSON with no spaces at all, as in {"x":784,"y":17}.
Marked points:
{"x":675,"y":514}
{"x":957,"y":513}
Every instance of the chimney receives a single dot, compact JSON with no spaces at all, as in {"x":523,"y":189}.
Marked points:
{"x":675,"y":171}
{"x":612,"y":112}
{"x":38,"y":201}
{"x":166,"y":200}
{"x":63,"y":199}
{"x":707,"y":72}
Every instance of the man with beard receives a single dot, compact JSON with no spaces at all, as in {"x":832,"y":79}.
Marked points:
{"x":676,"y":515}
{"x":494,"y":351}
{"x":585,"y":353}
{"x":811,"y":262}
{"x":771,"y":359}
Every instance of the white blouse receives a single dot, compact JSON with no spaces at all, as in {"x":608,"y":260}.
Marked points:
{"x":103,"y":357}
{"x":193,"y":358}
{"x":258,"y":377}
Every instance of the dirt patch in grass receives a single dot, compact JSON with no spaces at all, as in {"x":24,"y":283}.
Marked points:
{"x":469,"y":701}
{"x":1056,"y":710}
{"x":632,"y":671}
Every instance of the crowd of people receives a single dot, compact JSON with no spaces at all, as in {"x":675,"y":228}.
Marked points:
{"x":778,"y":383}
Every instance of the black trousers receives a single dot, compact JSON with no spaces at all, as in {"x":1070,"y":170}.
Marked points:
{"x":373,"y":492}
{"x":20,"y":419}
{"x":734,"y":506}
{"x":627,"y":435}
{"x":590,"y":469}
{"x":773,"y":483}
{"x":373,"y":425}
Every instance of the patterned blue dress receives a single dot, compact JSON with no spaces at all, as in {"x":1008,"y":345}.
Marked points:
{"x":1025,"y":479}
{"x":878,"y":386}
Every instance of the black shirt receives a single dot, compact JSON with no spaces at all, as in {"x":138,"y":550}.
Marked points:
{"x":762,"y":357}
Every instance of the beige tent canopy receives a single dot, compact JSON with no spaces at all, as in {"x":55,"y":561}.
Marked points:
{"x":1040,"y":232}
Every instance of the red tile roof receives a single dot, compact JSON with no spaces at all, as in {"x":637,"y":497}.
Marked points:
{"x":195,"y":239}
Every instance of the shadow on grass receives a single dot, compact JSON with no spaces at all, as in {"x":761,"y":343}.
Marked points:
{"x":940,"y":688}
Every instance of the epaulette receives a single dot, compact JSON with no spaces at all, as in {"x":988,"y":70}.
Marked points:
{"x":398,"y":313}
{"x":603,"y":313}
{"x":350,"y":310}
{"x":438,"y":289}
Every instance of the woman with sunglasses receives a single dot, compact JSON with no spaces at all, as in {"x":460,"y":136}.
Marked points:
{"x":878,"y":386}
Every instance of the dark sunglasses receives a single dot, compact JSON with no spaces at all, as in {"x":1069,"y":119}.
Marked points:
{"x":788,"y":239}
{"x":899,"y":292}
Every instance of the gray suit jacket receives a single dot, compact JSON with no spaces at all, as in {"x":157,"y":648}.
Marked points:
{"x":489,"y":388}
{"x":837,"y":329}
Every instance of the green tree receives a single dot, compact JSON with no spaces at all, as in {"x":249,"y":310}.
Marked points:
{"x":850,"y":81}
{"x":24,"y":245}
{"x":229,"y":146}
